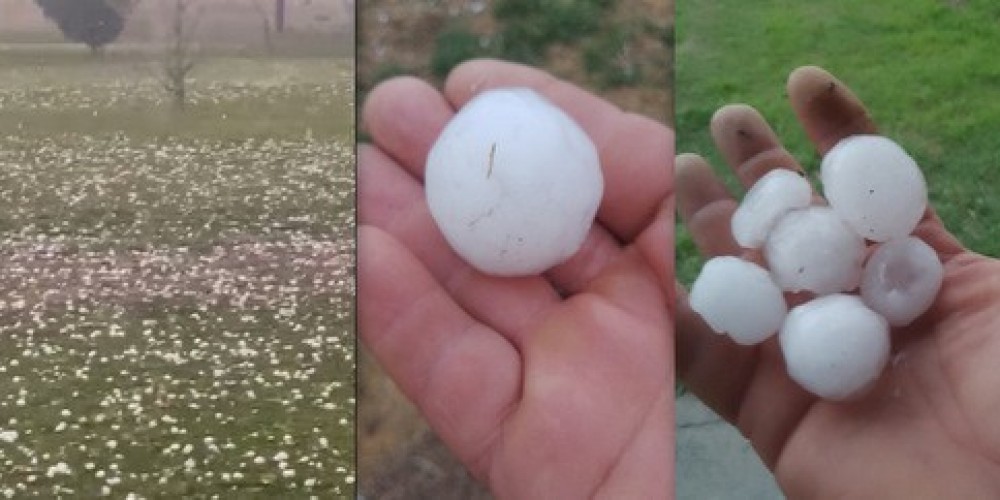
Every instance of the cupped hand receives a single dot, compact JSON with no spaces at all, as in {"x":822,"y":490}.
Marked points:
{"x":554,"y":386}
{"x":929,"y":428}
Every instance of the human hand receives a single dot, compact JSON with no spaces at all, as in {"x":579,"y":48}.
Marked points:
{"x":556,"y":386}
{"x":928,"y":429}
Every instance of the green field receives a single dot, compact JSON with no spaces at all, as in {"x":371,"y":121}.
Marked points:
{"x":176,"y":286}
{"x":926,"y":69}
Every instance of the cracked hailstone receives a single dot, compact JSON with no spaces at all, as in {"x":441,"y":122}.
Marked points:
{"x":773,"y":195}
{"x":874,"y":186}
{"x":738,"y":298}
{"x":901,"y":279}
{"x":834,"y":346}
{"x":813,"y":249}
{"x":513,"y":183}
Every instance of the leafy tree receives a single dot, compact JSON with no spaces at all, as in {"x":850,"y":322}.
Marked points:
{"x":95,"y":23}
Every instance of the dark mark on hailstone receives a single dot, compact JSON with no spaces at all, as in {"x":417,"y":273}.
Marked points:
{"x":493,"y":152}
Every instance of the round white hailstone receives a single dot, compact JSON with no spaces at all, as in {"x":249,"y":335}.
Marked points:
{"x":834,"y":346}
{"x":513,"y":183}
{"x":901,"y":279}
{"x":875,"y":186}
{"x":739,"y":298}
{"x":777,"y":192}
{"x":813,"y":249}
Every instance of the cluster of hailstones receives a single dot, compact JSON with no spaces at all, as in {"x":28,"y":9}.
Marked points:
{"x":836,"y":344}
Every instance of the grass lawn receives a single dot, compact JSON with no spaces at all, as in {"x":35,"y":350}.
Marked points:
{"x":926,"y":70}
{"x":176,"y":286}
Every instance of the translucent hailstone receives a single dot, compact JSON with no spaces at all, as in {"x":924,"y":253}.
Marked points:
{"x":875,"y":186}
{"x":776,"y":193}
{"x":813,"y":249}
{"x":901,"y":279}
{"x":513,"y":183}
{"x":739,"y":298}
{"x":834,"y":346}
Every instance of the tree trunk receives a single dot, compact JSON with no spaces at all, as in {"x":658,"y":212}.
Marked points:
{"x":279,"y":16}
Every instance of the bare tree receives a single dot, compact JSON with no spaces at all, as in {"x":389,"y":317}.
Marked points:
{"x":179,"y":56}
{"x":265,"y":23}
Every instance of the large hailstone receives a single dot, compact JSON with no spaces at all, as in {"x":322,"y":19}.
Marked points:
{"x":773,"y":195}
{"x":875,"y":186}
{"x":834,"y":346}
{"x":738,"y":297}
{"x":513,"y":183}
{"x":901,"y":279}
{"x":813,"y":249}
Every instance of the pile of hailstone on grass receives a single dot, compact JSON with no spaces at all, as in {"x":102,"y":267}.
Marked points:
{"x":836,"y":344}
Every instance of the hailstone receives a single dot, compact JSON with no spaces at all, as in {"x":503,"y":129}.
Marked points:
{"x":875,"y":186}
{"x":901,"y":279}
{"x":774,"y":194}
{"x":513,"y":183}
{"x":738,"y":298}
{"x":834,"y":346}
{"x":812,"y":249}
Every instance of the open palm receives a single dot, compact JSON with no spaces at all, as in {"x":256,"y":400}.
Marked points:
{"x":929,"y":428}
{"x":558,"y":386}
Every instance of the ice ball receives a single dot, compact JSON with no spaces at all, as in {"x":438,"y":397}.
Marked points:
{"x":901,"y":279}
{"x":774,"y":194}
{"x":738,"y":298}
{"x":875,"y":186}
{"x":813,"y":249}
{"x":834,"y":346}
{"x":513,"y":183}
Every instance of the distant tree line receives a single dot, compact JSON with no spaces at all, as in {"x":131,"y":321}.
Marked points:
{"x":95,"y":23}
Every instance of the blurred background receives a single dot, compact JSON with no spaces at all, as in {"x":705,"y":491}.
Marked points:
{"x":619,"y":49}
{"x":925,"y":69}
{"x":176,"y":249}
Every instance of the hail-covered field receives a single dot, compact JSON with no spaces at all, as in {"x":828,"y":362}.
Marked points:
{"x":176,"y":285}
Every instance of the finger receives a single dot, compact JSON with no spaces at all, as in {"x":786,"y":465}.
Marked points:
{"x":635,"y":151}
{"x":829,"y":112}
{"x":931,"y":229}
{"x":827,"y":108}
{"x":405,"y":115}
{"x":705,"y":206}
{"x":392,"y":200}
{"x":438,"y":355}
{"x":576,"y":274}
{"x":749,"y":145}
{"x":656,"y":244}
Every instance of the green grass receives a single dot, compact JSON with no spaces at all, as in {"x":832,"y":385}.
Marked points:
{"x":531,"y":26}
{"x":527,"y":29}
{"x":925,"y":69}
{"x":176,"y":310}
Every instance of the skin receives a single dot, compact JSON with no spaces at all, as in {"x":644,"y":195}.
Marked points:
{"x":554,"y":386}
{"x":928,"y":428}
